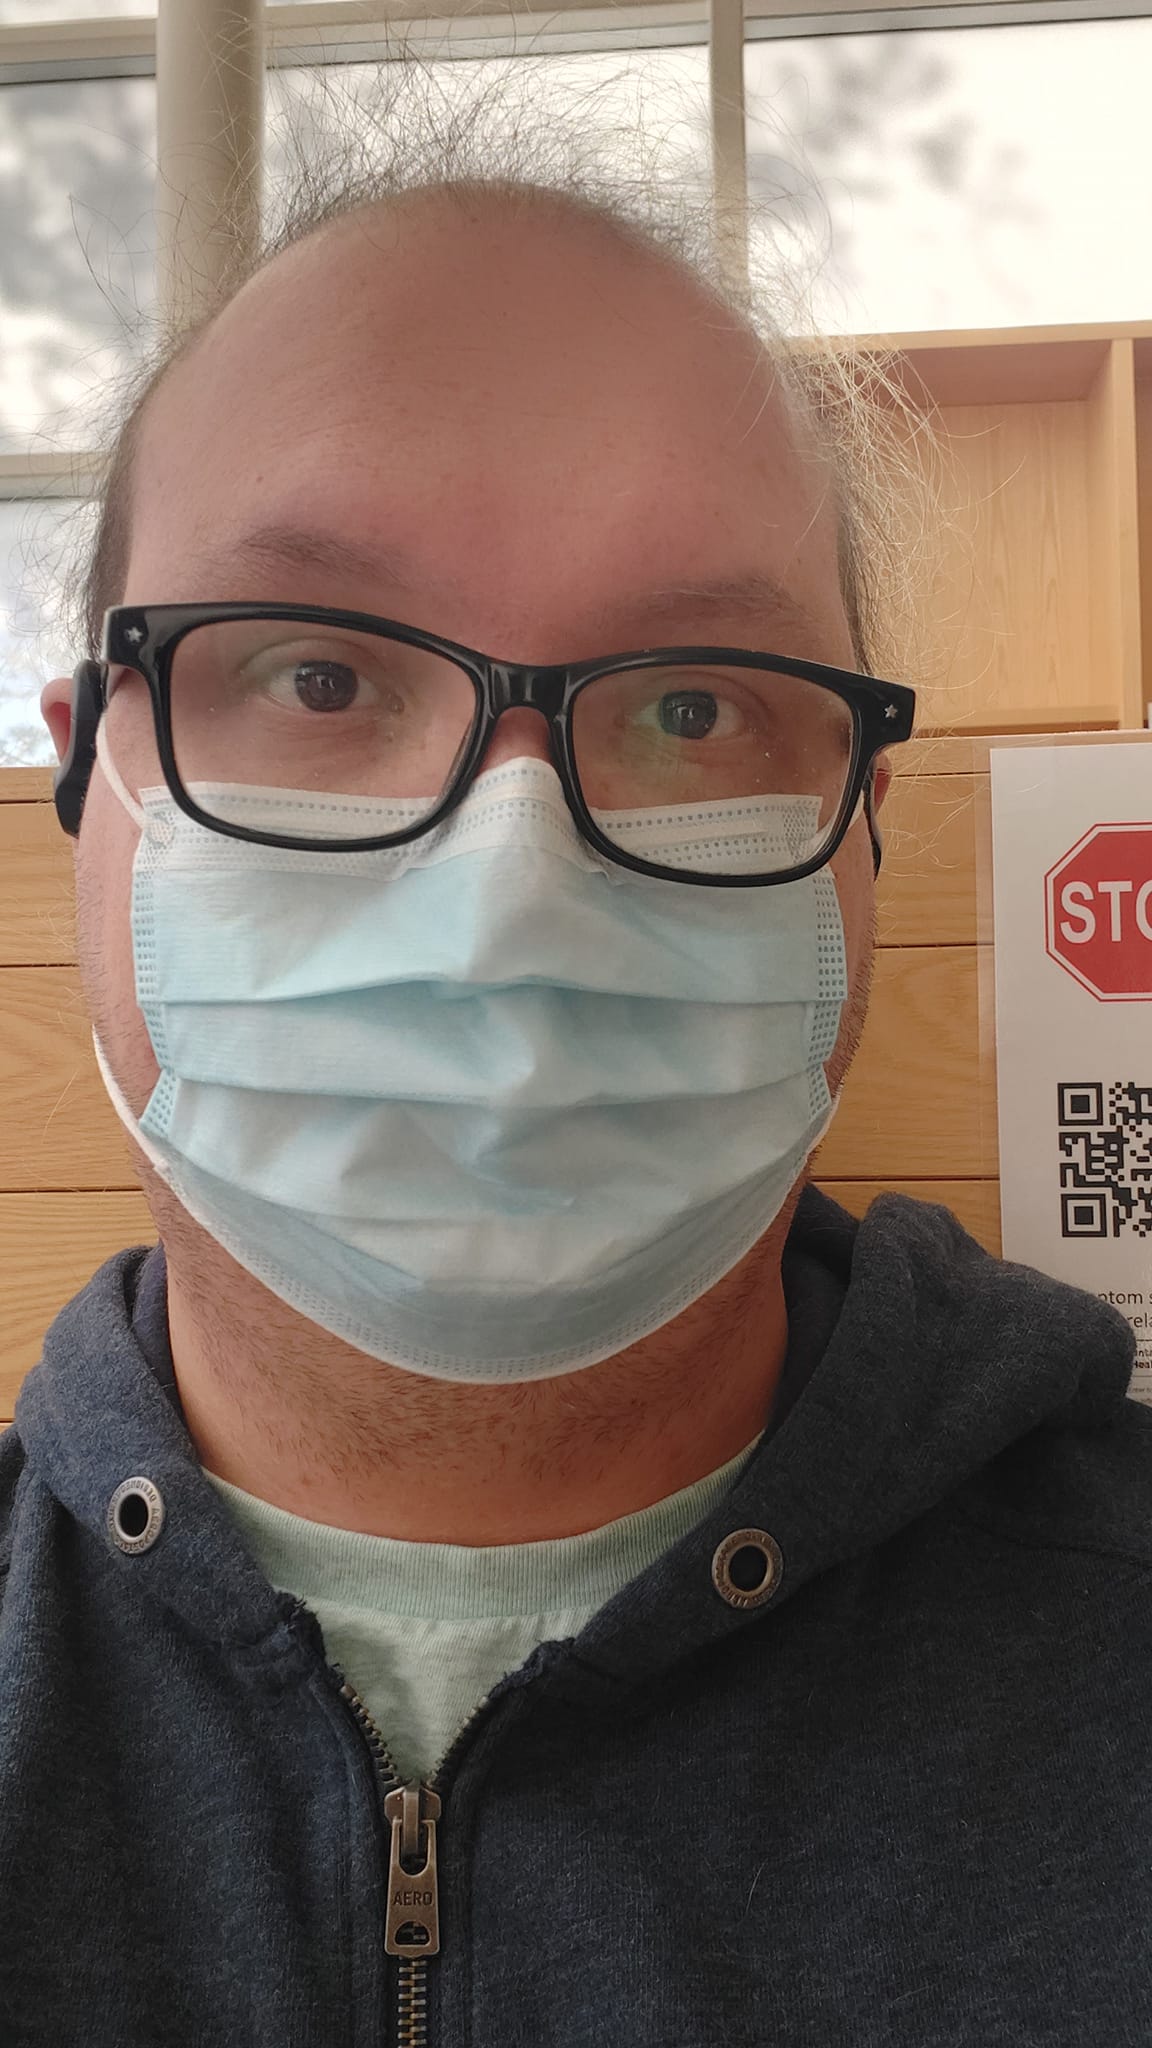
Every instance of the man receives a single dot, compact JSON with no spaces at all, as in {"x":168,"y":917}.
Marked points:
{"x":511,"y":1569}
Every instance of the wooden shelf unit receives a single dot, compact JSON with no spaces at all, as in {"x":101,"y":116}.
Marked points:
{"x":1049,"y":442}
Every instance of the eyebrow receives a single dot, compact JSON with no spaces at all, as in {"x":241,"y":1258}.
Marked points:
{"x":268,"y":550}
{"x":755,"y":595}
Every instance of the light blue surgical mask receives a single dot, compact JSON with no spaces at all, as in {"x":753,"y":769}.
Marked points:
{"x":486,"y":1105}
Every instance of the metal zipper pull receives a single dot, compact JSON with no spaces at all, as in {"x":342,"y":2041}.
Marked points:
{"x":413,"y":1924}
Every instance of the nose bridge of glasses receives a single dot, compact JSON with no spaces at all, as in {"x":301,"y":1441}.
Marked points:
{"x":517,"y":693}
{"x":518,"y":686}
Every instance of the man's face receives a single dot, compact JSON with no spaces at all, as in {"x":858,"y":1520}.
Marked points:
{"x":532,"y":430}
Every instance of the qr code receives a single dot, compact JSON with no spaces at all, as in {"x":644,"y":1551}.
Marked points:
{"x":1105,"y":1158}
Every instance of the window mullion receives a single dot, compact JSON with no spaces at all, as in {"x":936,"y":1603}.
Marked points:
{"x":729,"y":158}
{"x":209,"y":146}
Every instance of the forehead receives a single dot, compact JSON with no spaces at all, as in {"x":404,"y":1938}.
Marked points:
{"x":531,"y":413}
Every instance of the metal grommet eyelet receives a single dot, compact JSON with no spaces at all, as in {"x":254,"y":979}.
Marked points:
{"x":747,"y":1568}
{"x":135,"y":1515}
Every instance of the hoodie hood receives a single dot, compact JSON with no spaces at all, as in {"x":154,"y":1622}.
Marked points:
{"x":915,"y":1359}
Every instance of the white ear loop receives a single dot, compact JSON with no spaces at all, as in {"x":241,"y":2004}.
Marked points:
{"x":858,"y":812}
{"x":120,"y":1104}
{"x":114,"y":778}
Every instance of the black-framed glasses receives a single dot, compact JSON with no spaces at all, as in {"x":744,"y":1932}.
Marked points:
{"x":321,"y":730}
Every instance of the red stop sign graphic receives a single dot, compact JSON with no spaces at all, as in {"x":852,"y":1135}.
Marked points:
{"x":1098,"y":912}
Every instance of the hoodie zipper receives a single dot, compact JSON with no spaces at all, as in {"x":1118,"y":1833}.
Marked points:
{"x":412,"y":1917}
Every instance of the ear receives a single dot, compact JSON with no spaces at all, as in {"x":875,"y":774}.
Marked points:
{"x":56,"y":711}
{"x":73,"y":727}
{"x":881,"y":779}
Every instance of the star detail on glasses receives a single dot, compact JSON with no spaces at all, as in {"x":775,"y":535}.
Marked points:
{"x":135,"y":634}
{"x":891,"y":711}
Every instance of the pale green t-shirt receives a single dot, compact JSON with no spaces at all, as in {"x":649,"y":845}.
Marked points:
{"x":423,"y":1631}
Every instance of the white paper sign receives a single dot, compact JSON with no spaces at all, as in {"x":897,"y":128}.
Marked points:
{"x":1072,"y":877}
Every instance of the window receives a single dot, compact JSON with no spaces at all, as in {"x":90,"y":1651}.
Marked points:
{"x":37,"y":541}
{"x":953,"y":178}
{"x":77,"y":269}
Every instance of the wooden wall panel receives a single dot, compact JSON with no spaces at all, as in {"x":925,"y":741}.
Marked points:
{"x":975,"y":1203}
{"x":50,"y":1246}
{"x":1143,"y":413}
{"x":59,"y":1130}
{"x":1112,"y":562}
{"x":927,"y":891}
{"x":920,"y":1102}
{"x":37,"y":905}
{"x":25,"y":785}
{"x":1014,"y":598}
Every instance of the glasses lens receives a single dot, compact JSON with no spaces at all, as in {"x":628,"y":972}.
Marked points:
{"x":714,"y":770}
{"x":268,"y":715}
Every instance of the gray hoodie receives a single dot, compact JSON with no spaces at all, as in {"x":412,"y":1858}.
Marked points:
{"x":883,"y":1784}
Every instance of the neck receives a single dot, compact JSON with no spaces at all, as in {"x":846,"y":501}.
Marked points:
{"x":295,"y":1416}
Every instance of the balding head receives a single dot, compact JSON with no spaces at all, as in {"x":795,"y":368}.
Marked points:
{"x":534,"y":418}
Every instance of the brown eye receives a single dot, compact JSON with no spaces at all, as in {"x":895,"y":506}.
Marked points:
{"x":325,"y":685}
{"x":688,"y":714}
